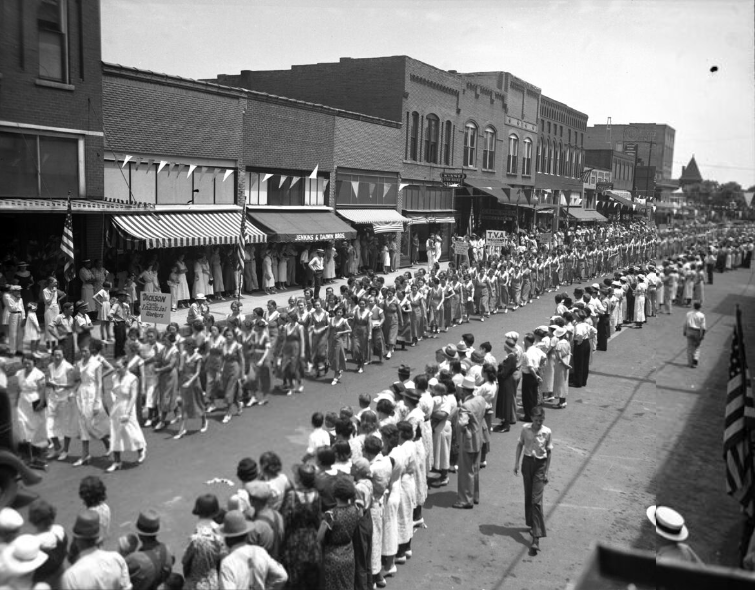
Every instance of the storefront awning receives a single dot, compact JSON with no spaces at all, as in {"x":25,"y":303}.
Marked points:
{"x":425,"y":217}
{"x":585,"y":214}
{"x":490,"y":187}
{"x":622,"y":197}
{"x":302,"y":226}
{"x":382,"y":220}
{"x":179,"y":230}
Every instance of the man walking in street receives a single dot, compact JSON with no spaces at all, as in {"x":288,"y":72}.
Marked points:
{"x":471,"y":435}
{"x":694,"y":330}
{"x":535,"y":442}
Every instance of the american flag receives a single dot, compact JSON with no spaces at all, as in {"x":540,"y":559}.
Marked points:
{"x":739,"y":422}
{"x":241,"y":240}
{"x":67,"y":246}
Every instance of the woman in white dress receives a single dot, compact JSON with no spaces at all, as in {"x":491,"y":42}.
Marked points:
{"x":52,"y":310}
{"x":329,"y":272}
{"x":149,"y":279}
{"x":282,"y":269}
{"x":125,"y":433}
{"x":182,"y":293}
{"x":202,"y":276}
{"x":93,"y":420}
{"x":397,"y":456}
{"x":640,"y":301}
{"x":217,"y":269}
{"x":32,"y":428}
{"x":269,"y":281}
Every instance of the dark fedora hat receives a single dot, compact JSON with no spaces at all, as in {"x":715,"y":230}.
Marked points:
{"x":148,"y":522}
{"x":235,"y":524}
{"x":87,"y":525}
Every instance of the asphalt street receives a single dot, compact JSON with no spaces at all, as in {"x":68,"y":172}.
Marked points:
{"x":608,"y":448}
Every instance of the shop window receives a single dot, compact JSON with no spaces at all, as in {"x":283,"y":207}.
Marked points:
{"x":431,"y":139}
{"x":527,"y":157}
{"x":366,"y":189}
{"x":471,"y":140}
{"x":489,"y":149}
{"x":40,"y":166}
{"x":276,"y":189}
{"x":513,"y":154}
{"x":447,"y":143}
{"x":52,"y":35}
{"x":414,"y":136}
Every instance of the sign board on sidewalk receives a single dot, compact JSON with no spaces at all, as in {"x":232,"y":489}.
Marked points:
{"x":155,"y":308}
{"x":496,"y":238}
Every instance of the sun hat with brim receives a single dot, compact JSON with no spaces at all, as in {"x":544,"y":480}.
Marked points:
{"x":450,"y":352}
{"x":467,"y":383}
{"x":509,"y":344}
{"x":10,"y":520}
{"x":22,"y":556}
{"x":385,"y":394}
{"x":87,"y":525}
{"x":148,"y":523}
{"x":559,"y":331}
{"x":235,"y":524}
{"x":477,"y":357}
{"x":461,"y":348}
{"x":669,"y":523}
{"x":514,"y":335}
{"x":14,"y":288}
{"x":199,"y":296}
{"x":412,"y":395}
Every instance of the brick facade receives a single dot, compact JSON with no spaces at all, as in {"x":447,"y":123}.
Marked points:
{"x":74,"y":102}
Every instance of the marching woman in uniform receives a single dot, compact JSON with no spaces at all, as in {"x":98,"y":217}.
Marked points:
{"x":93,"y":420}
{"x":392,"y":314}
{"x":125,"y":433}
{"x":417,"y":314}
{"x":166,"y":369}
{"x":192,"y":397}
{"x":233,"y":369}
{"x":32,"y":428}
{"x":338,"y":329}
{"x":436,"y":306}
{"x":258,"y":371}
{"x":293,"y":354}
{"x":318,"y":335}
{"x":361,"y":327}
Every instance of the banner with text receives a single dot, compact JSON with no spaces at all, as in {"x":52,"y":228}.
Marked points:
{"x":155,"y":308}
{"x":496,"y":238}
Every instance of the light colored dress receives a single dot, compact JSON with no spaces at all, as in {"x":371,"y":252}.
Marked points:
{"x":390,"y":540}
{"x":52,"y":310}
{"x":125,"y":436}
{"x":217,"y":270}
{"x":202,"y":277}
{"x":562,"y":351}
{"x":31,"y":425}
{"x":151,"y":283}
{"x":269,"y":280}
{"x":640,"y":303}
{"x":62,"y":421}
{"x":88,"y":396}
{"x":408,"y":493}
{"x":182,"y":292}
{"x":282,"y":269}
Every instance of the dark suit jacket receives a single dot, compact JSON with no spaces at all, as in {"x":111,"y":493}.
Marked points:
{"x":470,"y":424}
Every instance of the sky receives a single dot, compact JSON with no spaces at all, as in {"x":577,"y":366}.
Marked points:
{"x":634,"y":61}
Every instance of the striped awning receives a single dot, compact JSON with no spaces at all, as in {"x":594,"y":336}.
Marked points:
{"x":382,"y":220}
{"x":427,"y":217}
{"x":179,"y":230}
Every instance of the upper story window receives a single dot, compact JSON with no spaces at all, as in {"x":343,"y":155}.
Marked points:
{"x":567,"y":169}
{"x":447,"y":143}
{"x":471,"y":142}
{"x":414,"y":136}
{"x":41,"y":166}
{"x":539,"y":155}
{"x":52,"y":34}
{"x":489,"y":149}
{"x":548,"y":126}
{"x":431,"y":139}
{"x":527,"y":157}
{"x":553,"y":158}
{"x":514,"y":147}
{"x":366,"y":188}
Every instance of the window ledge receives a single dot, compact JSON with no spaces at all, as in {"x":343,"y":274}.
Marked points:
{"x":57,"y":85}
{"x":512,"y":174}
{"x":490,"y":170}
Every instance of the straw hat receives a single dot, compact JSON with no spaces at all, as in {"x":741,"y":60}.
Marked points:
{"x":22,"y":556}
{"x":669,"y":523}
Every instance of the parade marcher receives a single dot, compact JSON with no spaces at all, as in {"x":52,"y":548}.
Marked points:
{"x":61,"y":406}
{"x":93,"y":419}
{"x":694,"y":329}
{"x":338,"y":330}
{"x":562,"y":365}
{"x":125,"y":433}
{"x":32,"y":427}
{"x":534,"y":446}
{"x":293,"y":354}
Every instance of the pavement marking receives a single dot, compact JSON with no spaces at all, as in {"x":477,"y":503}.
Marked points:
{"x":174,"y":500}
{"x":581,"y":452}
{"x":583,"y":507}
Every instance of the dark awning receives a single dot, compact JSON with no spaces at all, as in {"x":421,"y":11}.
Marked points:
{"x":585,"y":214}
{"x":490,"y":187}
{"x":301,"y":226}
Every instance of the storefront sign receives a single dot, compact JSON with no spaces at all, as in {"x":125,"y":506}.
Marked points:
{"x":461,"y":247}
{"x":452,"y":178}
{"x":604,"y":186}
{"x":496,"y":238}
{"x":318,"y":237}
{"x":155,"y":308}
{"x":495,"y":213}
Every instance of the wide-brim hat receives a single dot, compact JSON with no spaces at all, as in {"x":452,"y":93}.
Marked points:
{"x":616,"y":284}
{"x":450,"y":351}
{"x":22,"y":263}
{"x":385,"y":394}
{"x":87,"y":525}
{"x":461,"y":348}
{"x":22,"y":556}
{"x":559,"y":331}
{"x":199,"y":296}
{"x":513,"y":335}
{"x":411,"y":394}
{"x":14,"y":288}
{"x":148,"y":523}
{"x":10,"y":520}
{"x":669,"y":523}
{"x":477,"y":357}
{"x":81,"y":305}
{"x":235,"y":524}
{"x":468,"y":383}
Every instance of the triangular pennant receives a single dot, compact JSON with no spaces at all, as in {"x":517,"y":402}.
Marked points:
{"x":356,"y":187}
{"x":294,"y":180}
{"x":203,"y":170}
{"x":162,"y":165}
{"x":562,"y":200}
{"x":215,"y":172}
{"x":282,"y":180}
{"x":469,"y":190}
{"x":171,"y":168}
{"x":371,"y":188}
{"x":266,"y":177}
{"x":179,"y":168}
{"x":125,"y":160}
{"x":150,"y":163}
{"x":226,"y":174}
{"x":138,"y":163}
{"x":386,"y":189}
{"x":403,"y":185}
{"x":528,"y":196}
{"x":314,"y":173}
{"x":191,"y":169}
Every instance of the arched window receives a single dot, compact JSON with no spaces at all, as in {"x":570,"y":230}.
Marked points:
{"x":514,"y":147}
{"x":575,"y":167}
{"x":539,"y":155}
{"x":489,"y":149}
{"x":550,"y":161}
{"x":555,"y":158}
{"x":414,"y":135}
{"x":560,"y":160}
{"x":447,"y":143}
{"x":471,"y":141}
{"x":527,"y":157}
{"x":431,"y":139}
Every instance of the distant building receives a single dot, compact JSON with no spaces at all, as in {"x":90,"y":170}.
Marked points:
{"x":690,"y":174}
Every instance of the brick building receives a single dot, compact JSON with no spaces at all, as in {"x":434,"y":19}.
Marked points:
{"x":480,"y":127}
{"x":51,"y":134}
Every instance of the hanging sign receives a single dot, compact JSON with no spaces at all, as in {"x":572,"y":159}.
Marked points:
{"x":452,"y":178}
